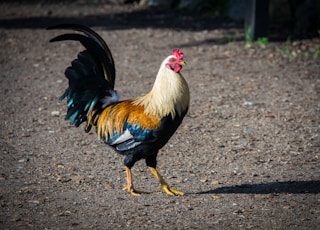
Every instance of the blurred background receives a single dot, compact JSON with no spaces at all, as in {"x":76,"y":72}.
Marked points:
{"x":277,"y":19}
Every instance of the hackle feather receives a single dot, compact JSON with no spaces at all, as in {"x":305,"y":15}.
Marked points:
{"x":168,"y":96}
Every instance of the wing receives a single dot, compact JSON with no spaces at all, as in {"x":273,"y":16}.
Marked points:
{"x":126,"y":127}
{"x":131,"y":137}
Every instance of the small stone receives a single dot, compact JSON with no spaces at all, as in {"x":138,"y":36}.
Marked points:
{"x":60,"y":165}
{"x":3,"y":177}
{"x":34,"y":201}
{"x":215,"y":182}
{"x":23,"y":160}
{"x":249,"y":103}
{"x":55,"y":113}
{"x":216,"y":196}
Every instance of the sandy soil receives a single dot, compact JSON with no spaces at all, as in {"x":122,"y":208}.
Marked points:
{"x":247,"y":154}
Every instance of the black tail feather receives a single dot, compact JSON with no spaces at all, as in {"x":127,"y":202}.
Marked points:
{"x":95,"y":39}
{"x":91,"y":76}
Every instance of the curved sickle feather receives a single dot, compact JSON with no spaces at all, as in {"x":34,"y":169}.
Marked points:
{"x":106,"y":57}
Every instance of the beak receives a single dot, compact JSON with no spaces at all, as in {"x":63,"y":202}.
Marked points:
{"x":182,"y":63}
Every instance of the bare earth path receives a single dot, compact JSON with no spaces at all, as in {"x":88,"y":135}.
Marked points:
{"x":247,"y":154}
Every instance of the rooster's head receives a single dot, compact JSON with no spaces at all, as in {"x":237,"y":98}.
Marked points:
{"x":175,"y":61}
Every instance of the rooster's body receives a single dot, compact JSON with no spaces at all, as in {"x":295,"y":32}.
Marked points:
{"x":136,"y":128}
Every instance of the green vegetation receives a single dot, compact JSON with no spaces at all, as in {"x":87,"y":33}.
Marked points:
{"x":262,"y":42}
{"x":294,"y":50}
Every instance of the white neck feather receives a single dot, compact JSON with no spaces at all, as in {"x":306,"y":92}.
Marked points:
{"x":169,"y":95}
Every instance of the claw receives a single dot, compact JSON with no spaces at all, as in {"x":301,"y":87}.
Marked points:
{"x":132,"y":191}
{"x":129,"y":186}
{"x":164,"y":186}
{"x":170,"y":191}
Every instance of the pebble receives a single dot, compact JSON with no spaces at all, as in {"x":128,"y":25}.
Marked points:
{"x":23,"y":160}
{"x":215,"y":182}
{"x":55,"y":113}
{"x":34,"y":201}
{"x":248,"y":131}
{"x":249,"y":103}
{"x":215,"y":196}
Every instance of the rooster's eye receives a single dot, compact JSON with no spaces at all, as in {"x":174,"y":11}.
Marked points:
{"x":172,"y":60}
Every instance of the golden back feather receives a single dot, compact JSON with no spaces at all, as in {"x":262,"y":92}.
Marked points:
{"x":112,"y":119}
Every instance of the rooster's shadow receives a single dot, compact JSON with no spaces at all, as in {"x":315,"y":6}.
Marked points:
{"x":290,"y":187}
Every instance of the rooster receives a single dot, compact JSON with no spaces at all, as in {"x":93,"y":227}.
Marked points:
{"x":136,"y":128}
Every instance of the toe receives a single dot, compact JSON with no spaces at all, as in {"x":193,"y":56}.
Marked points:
{"x":170,"y":191}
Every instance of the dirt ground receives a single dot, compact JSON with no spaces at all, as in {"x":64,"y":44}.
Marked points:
{"x":246,"y":155}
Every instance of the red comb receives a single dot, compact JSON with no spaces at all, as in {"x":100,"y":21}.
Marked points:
{"x":178,"y":53}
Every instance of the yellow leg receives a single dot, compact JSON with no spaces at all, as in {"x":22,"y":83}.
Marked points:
{"x":164,"y":186}
{"x":129,"y":186}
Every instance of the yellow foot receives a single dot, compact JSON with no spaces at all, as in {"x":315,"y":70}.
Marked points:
{"x":132,"y":191}
{"x":129,"y":186}
{"x":170,"y":191}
